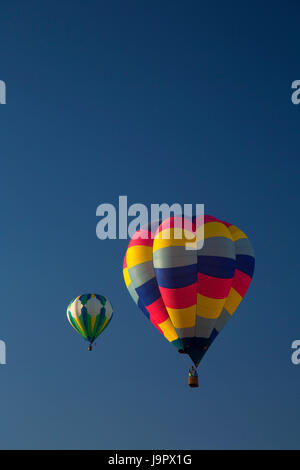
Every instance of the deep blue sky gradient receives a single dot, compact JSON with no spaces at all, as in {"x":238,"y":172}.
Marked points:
{"x":163,"y":101}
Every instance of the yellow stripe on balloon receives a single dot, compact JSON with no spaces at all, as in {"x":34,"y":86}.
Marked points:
{"x":76,"y":320}
{"x":168,"y":330}
{"x":208,"y":307}
{"x":216,"y":229}
{"x":183,"y":317}
{"x":126,"y":277}
{"x":138,"y":254}
{"x":93,"y":321}
{"x":233,"y":300}
{"x":236,"y":233}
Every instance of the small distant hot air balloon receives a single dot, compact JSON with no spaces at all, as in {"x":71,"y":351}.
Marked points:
{"x":189,"y":294}
{"x":89,"y":314}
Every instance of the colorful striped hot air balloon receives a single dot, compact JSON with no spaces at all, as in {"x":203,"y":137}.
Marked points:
{"x":89,"y":314}
{"x":188,"y":277}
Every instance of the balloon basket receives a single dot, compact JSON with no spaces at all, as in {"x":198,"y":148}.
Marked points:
{"x":193,"y":382}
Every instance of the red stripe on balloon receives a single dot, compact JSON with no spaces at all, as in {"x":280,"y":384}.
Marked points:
{"x":241,"y":282}
{"x":213,"y":287}
{"x":228,"y":224}
{"x":158,"y":312}
{"x":138,"y":239}
{"x":204,"y":219}
{"x":210,"y":218}
{"x":182,"y":297}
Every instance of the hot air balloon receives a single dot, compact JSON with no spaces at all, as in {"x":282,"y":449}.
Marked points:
{"x":89,"y":315}
{"x":188,"y":278}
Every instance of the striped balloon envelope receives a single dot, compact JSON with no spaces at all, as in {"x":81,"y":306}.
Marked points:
{"x":89,"y":315}
{"x":188,"y":278}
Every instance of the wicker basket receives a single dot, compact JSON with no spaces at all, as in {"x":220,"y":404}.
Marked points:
{"x":193,"y":381}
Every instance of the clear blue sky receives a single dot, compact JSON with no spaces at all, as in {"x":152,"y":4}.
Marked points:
{"x":163,"y":101}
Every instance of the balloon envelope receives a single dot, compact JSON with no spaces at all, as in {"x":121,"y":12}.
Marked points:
{"x":188,"y":278}
{"x":89,"y":315}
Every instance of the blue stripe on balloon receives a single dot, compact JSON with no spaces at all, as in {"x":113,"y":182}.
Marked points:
{"x":245,"y":263}
{"x":84,"y":319}
{"x":148,"y":292}
{"x":216,"y":266}
{"x":172,"y":278}
{"x":99,"y":320}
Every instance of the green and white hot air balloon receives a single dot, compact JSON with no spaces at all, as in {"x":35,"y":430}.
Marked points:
{"x":89,"y":314}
